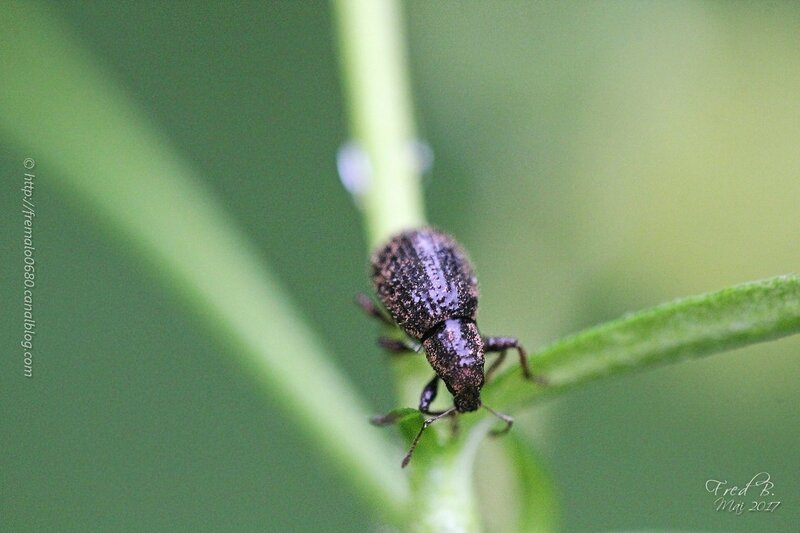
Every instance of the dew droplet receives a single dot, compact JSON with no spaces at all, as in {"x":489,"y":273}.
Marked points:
{"x":354,"y":169}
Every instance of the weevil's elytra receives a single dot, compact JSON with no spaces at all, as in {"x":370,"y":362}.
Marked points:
{"x":423,"y":278}
{"x":426,"y":282}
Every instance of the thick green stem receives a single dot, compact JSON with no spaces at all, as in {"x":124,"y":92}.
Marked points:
{"x":444,"y":498}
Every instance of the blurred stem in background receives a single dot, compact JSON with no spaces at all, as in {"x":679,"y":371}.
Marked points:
{"x":57,"y":104}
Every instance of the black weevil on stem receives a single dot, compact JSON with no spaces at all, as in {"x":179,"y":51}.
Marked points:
{"x":425,"y":281}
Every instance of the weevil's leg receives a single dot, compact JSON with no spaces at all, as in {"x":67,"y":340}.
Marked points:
{"x":369,"y":307}
{"x":505,"y":418}
{"x":425,"y":400}
{"x":493,"y":367}
{"x":397,"y":346}
{"x":428,"y":395}
{"x":394,"y":346}
{"x":384,"y":420}
{"x":501,"y":344}
{"x":425,"y":425}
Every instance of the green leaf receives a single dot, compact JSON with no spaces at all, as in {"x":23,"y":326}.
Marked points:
{"x":691,"y":327}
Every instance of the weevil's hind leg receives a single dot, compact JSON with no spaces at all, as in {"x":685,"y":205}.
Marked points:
{"x":505,"y":418}
{"x":425,"y":425}
{"x":397,"y":346}
{"x":393,"y":346}
{"x":384,"y":420}
{"x":371,"y":309}
{"x":501,"y":344}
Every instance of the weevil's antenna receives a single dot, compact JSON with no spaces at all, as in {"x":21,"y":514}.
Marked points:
{"x":425,"y":425}
{"x":505,"y":418}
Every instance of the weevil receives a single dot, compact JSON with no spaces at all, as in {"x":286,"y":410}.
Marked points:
{"x":425,"y":281}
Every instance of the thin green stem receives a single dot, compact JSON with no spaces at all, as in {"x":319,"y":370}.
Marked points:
{"x":374,"y":73}
{"x":688,"y":328}
{"x":377,"y":90}
{"x":538,"y":505}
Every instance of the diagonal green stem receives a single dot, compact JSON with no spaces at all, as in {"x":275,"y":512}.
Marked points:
{"x":688,"y":328}
{"x":58,"y":105}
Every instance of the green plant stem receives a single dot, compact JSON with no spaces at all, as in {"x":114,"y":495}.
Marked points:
{"x":688,"y":328}
{"x":377,"y":88}
{"x":64,"y":111}
{"x":377,"y":91}
{"x":374,"y":73}
{"x":539,"y":509}
{"x":444,"y":496}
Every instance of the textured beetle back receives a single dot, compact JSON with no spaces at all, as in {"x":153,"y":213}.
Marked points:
{"x":423,"y":277}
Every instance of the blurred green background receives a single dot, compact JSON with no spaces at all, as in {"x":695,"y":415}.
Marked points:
{"x":594,"y":158}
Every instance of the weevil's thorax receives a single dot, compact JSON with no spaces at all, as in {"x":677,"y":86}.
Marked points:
{"x":455,"y":350}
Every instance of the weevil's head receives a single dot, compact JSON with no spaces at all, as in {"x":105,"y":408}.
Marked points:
{"x":455,"y":351}
{"x":467,"y":399}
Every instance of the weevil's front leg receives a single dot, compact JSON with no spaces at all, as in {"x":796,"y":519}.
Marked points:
{"x":501,"y":344}
{"x":425,"y":401}
{"x":428,"y":395}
